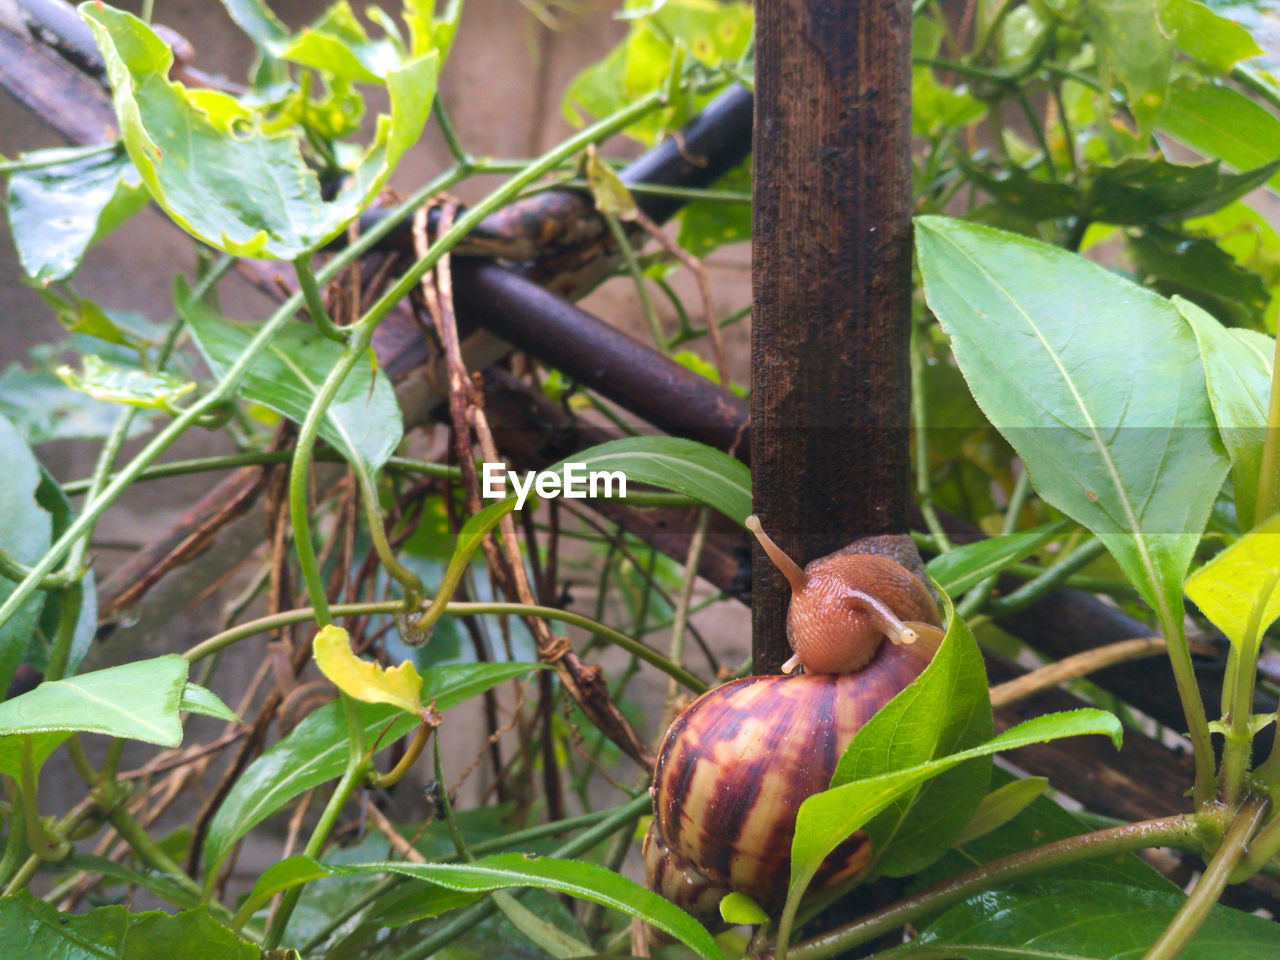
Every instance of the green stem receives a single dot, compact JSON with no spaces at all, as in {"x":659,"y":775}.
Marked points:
{"x":151,"y":853}
{"x":1236,"y":751}
{"x":1169,"y":614}
{"x":650,"y":656}
{"x":460,"y":155}
{"x":411,"y":755}
{"x":351,"y":778}
{"x":232,"y":461}
{"x":15,"y":841}
{"x":920,"y":417}
{"x":1262,"y":849}
{"x":378,"y":535}
{"x":1204,"y":897}
{"x":314,"y":301}
{"x":68,"y":616}
{"x":468,"y":221}
{"x":632,"y":265}
{"x":979,"y":595}
{"x":38,"y":159}
{"x":300,"y":473}
{"x":42,"y":845}
{"x":1033,"y":591}
{"x":473,"y":915}
{"x":1179,"y":831}
{"x":11,"y":569}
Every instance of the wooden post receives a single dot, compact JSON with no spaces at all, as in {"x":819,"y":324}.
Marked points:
{"x":831,"y":265}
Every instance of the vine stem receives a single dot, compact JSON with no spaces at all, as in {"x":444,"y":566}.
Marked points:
{"x":1265,"y":501}
{"x":357,"y":765}
{"x":1191,"y":916}
{"x":1178,"y":831}
{"x":1077,"y":665}
{"x":463,"y":225}
{"x":226,"y":387}
{"x":286,"y":618}
{"x":310,"y":290}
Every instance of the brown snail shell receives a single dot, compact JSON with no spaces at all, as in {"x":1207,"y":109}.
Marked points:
{"x":735,"y":766}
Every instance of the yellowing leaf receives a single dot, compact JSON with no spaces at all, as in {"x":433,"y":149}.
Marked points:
{"x":1236,"y":590}
{"x":611,"y":194}
{"x":363,"y":679}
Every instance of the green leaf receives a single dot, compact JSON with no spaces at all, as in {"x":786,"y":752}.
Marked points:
{"x":1136,"y":49}
{"x":191,"y":148}
{"x":1237,"y":367}
{"x":288,"y":873}
{"x":1041,"y":822}
{"x":135,"y":701}
{"x":738,"y":908}
{"x":107,"y":381}
{"x":960,"y":570}
{"x":1000,"y":806}
{"x":706,"y":225}
{"x":1143,"y":190}
{"x":338,"y":44}
{"x":713,"y":33}
{"x":1209,"y":38}
{"x":24,"y":536}
{"x":694,"y":469}
{"x":1236,"y":590}
{"x":1083,"y":920}
{"x":1247,"y":237}
{"x":163,"y":885}
{"x":57,"y":212}
{"x":42,"y":408}
{"x":32,"y":928}
{"x":943,"y":711}
{"x":1177,"y":264}
{"x":1222,"y":123}
{"x":50,"y":497}
{"x":1095,"y":383}
{"x":827,"y":819}
{"x":611,"y":195}
{"x":202,"y":700}
{"x":363,"y":422}
{"x":586,"y":881}
{"x":316,"y":750}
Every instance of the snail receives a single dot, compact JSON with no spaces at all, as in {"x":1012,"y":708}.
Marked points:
{"x":736,"y":764}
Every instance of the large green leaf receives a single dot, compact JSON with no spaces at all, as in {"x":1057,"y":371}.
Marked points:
{"x":193,"y":148}
{"x":33,"y":928}
{"x":945,"y":710}
{"x":1142,"y":190}
{"x":1237,"y":368}
{"x":586,"y":881}
{"x":316,"y":750}
{"x":363,"y":422}
{"x":1136,"y":49}
{"x":57,"y":212}
{"x":24,"y":536}
{"x":687,"y":467}
{"x":963,"y":568}
{"x":1237,"y":591}
{"x":112,"y":383}
{"x":135,"y":701}
{"x":827,"y":819}
{"x":1094,"y":381}
{"x":1222,"y":123}
{"x":1085,"y":920}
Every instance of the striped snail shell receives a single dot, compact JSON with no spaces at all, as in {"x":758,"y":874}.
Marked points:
{"x":736,"y":764}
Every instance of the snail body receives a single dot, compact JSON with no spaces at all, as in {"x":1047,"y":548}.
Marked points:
{"x":736,"y":764}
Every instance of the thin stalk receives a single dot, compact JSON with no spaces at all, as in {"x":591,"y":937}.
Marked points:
{"x":1073,"y":667}
{"x":150,"y":852}
{"x":300,"y":473}
{"x":650,"y":656}
{"x":68,"y":616}
{"x":1239,"y":735}
{"x":1169,"y":615}
{"x":314,"y":301}
{"x":632,"y":265}
{"x":232,"y":461}
{"x":1204,"y":897}
{"x":411,"y":755}
{"x":15,"y":841}
{"x":12,"y":569}
{"x":378,"y":535}
{"x":351,"y":778}
{"x":473,"y":915}
{"x":467,"y":222}
{"x":38,"y":159}
{"x":460,"y":155}
{"x":979,"y":595}
{"x":919,"y":417}
{"x":1264,"y":846}
{"x":1179,"y":831}
{"x":691,"y":194}
{"x":1033,"y":591}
